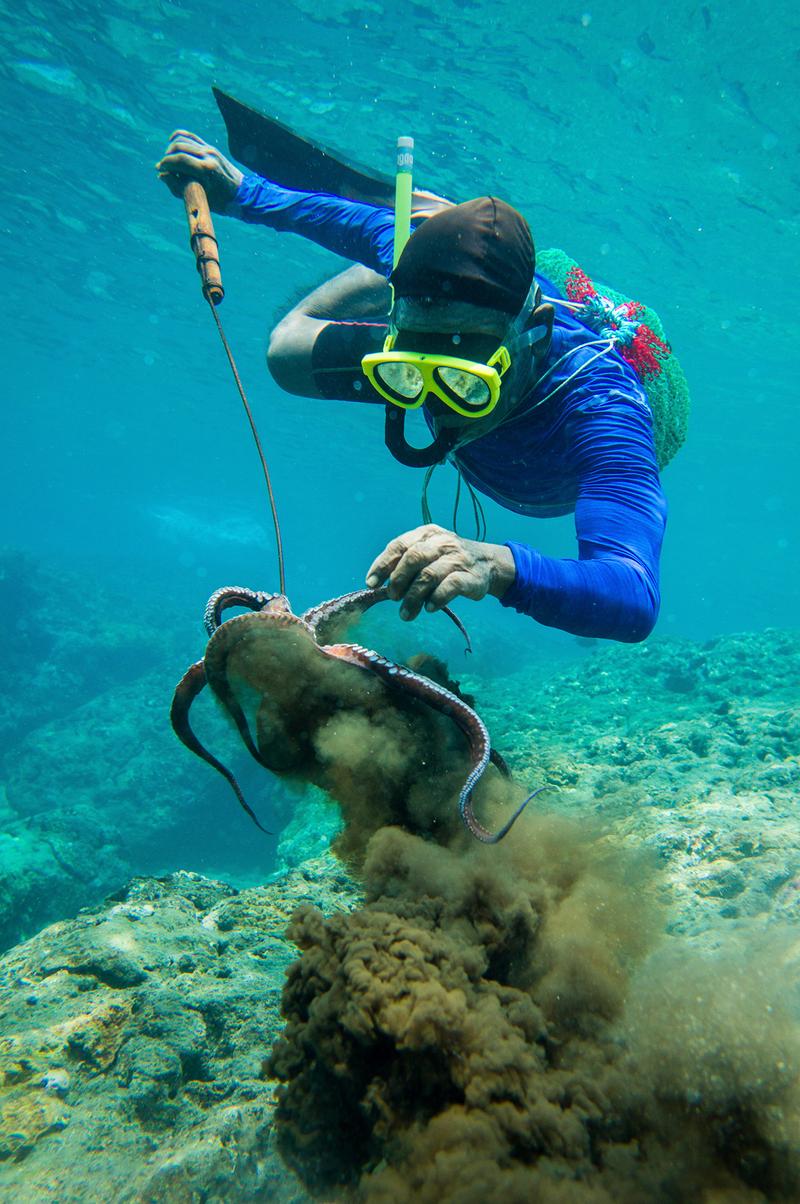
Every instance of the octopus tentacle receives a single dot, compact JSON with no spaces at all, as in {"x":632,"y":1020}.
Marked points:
{"x":235,"y":595}
{"x":500,"y":763}
{"x":187,"y":689}
{"x":324,"y":618}
{"x":344,"y":609}
{"x":220,"y":646}
{"x":446,"y":703}
{"x":453,"y":617}
{"x":321,"y":623}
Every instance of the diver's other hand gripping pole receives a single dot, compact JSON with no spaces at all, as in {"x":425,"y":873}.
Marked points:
{"x":203,"y":241}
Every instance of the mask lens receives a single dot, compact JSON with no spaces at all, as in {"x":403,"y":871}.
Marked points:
{"x":468,"y":388}
{"x":403,"y":379}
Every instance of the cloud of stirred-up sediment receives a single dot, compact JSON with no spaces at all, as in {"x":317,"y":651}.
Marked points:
{"x":504,"y":1022}
{"x":383,"y":756}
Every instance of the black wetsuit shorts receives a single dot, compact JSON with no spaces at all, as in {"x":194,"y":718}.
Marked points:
{"x":336,"y":360}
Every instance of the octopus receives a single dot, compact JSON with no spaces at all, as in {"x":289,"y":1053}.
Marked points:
{"x":266,"y":656}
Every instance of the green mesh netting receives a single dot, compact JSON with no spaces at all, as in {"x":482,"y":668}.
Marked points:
{"x":667,"y":393}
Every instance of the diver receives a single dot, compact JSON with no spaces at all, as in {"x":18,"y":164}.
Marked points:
{"x":534,"y":393}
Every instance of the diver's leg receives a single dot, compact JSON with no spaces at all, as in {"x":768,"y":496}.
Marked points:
{"x":357,"y":296}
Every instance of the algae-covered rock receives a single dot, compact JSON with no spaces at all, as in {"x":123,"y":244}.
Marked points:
{"x":106,"y":792}
{"x":94,"y":785}
{"x":134,"y":1037}
{"x":689,"y":750}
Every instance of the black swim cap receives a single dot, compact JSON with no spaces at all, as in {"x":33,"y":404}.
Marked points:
{"x":481,"y":252}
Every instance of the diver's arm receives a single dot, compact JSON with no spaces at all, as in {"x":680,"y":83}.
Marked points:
{"x":612,"y":590}
{"x":603,"y":598}
{"x":357,"y":295}
{"x":361,"y":232}
{"x":364,"y":233}
{"x":357,"y":231}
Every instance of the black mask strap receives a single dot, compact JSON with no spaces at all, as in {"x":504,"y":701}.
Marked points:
{"x":415,"y":457}
{"x":539,"y":330}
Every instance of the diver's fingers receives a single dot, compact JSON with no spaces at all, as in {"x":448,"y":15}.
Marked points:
{"x":456,"y":585}
{"x":204,"y":163}
{"x":184,"y":140}
{"x":429,"y":578}
{"x":382,"y":565}
{"x":185,"y":161}
{"x":414,"y":568}
{"x":186,"y":136}
{"x":389,"y":558}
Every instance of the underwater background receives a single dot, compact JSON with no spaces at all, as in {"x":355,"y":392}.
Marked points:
{"x":657,"y":145}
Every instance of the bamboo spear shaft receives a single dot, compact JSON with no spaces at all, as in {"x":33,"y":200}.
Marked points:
{"x":203,"y":241}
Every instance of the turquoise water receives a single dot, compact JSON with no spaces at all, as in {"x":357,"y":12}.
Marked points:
{"x":655,"y":147}
{"x":656,"y":144}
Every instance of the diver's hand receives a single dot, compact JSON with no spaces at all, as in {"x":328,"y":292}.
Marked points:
{"x":188,"y":157}
{"x":430,"y":566}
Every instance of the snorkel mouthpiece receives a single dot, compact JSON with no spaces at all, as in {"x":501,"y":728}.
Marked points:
{"x":402,"y":195}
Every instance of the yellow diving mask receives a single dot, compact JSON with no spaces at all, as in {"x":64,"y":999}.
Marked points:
{"x":406,"y":378}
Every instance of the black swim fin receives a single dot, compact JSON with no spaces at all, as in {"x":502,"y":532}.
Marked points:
{"x":276,"y":152}
{"x":272,"y":150}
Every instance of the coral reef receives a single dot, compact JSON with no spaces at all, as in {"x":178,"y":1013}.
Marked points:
{"x":131,"y":1056}
{"x":102,"y":793}
{"x":599,"y":1009}
{"x":505,"y":1024}
{"x":692,"y":751}
{"x":508,"y":1024}
{"x":92,"y":786}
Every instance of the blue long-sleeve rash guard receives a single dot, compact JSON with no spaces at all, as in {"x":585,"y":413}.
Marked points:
{"x":578,"y":441}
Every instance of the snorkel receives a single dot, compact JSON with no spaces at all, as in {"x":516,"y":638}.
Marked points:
{"x":402,"y":195}
{"x":394,"y":431}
